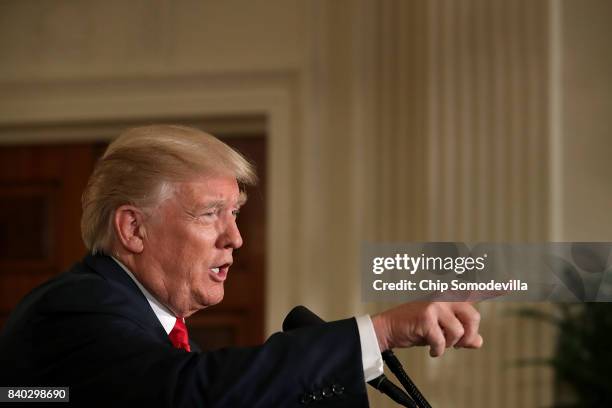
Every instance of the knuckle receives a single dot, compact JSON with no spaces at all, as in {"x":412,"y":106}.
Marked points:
{"x":430,"y":307}
{"x":427,"y":319}
{"x":475,"y":318}
{"x":430,"y":313}
{"x":454,"y":337}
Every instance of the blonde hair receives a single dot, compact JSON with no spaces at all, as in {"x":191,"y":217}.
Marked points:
{"x":139,"y":167}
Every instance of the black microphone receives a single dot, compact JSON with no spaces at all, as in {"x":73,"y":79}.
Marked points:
{"x":301,"y":316}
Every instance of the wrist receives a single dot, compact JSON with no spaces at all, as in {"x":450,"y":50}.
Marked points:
{"x":381,"y":329}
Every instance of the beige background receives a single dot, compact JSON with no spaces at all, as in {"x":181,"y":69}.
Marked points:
{"x":387,"y":120}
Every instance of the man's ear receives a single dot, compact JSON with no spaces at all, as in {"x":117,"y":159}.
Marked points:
{"x":128,"y":222}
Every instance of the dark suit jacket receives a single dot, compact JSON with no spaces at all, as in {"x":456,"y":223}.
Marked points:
{"x":93,"y":330}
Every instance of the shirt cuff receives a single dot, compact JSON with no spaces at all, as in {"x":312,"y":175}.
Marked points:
{"x":370,"y":352}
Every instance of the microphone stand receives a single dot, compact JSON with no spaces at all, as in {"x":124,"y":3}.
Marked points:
{"x":385,"y":386}
{"x":398,"y":370}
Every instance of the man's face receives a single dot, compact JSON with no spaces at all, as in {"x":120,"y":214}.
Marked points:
{"x":189,"y":242}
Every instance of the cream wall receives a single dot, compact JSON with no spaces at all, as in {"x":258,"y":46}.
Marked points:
{"x":387,"y":120}
{"x":50,"y":39}
{"x":586,"y":121}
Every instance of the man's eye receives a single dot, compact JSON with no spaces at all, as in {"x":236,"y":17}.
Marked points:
{"x":235,"y":213}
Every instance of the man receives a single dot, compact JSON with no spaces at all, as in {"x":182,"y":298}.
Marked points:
{"x":159,"y":220}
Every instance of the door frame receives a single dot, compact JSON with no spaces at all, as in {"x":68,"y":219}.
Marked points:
{"x":89,"y":106}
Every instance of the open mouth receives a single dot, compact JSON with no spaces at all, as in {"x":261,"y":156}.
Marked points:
{"x":219,"y":273}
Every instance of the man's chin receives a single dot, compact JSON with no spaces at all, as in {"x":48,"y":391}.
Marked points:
{"x":211,"y":300}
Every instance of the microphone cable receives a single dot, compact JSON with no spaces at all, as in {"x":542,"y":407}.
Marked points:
{"x":398,"y":370}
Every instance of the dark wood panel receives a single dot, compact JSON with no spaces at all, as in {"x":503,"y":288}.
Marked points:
{"x":40,"y":189}
{"x":26,"y":223}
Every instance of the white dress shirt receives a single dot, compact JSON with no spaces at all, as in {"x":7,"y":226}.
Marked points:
{"x":370,"y":352}
{"x":165,"y":316}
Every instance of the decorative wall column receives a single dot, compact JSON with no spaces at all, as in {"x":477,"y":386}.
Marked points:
{"x":428,"y":120}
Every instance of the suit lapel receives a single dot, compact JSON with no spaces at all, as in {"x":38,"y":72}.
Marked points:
{"x":134,"y":303}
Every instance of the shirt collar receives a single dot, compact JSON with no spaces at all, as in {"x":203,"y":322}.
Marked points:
{"x":165,"y":316}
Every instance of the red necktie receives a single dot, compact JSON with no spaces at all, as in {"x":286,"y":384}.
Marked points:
{"x":178,"y":335}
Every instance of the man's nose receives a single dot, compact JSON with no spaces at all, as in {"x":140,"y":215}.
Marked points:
{"x":231,"y":237}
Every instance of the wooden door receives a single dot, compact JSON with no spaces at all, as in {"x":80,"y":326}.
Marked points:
{"x":40,"y":211}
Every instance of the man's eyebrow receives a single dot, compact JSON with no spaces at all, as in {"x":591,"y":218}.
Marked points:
{"x":211,"y":204}
{"x":242,"y":198}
